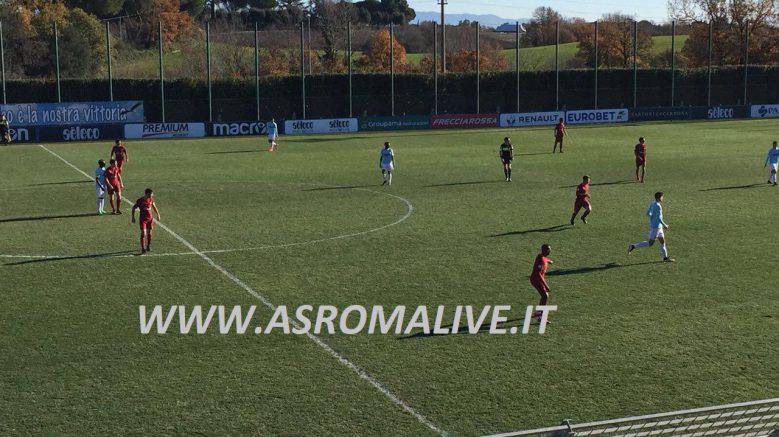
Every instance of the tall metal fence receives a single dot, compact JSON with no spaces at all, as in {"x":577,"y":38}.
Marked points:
{"x":233,"y":70}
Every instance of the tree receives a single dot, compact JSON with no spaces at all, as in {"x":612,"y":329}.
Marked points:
{"x":142,"y":30}
{"x":540,"y":31}
{"x":730,"y":19}
{"x":384,"y":12}
{"x":331,"y":18}
{"x":377,"y":57}
{"x":81,"y":46}
{"x":100,"y":8}
{"x":615,"y":44}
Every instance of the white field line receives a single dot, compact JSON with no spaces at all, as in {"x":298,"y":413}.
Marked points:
{"x":638,"y":418}
{"x":342,"y":359}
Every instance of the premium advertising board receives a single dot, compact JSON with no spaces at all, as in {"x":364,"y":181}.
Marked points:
{"x":444,"y":121}
{"x":394,"y":123}
{"x":321,"y":126}
{"x":530,"y":119}
{"x":164,"y":130}
{"x":591,"y":116}
{"x":47,"y":114}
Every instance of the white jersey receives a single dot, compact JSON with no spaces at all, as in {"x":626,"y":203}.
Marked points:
{"x":387,"y":156}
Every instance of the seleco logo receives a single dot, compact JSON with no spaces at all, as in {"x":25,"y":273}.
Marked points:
{"x":720,"y":113}
{"x":77,"y":133}
{"x":303,"y":125}
{"x":339,"y":124}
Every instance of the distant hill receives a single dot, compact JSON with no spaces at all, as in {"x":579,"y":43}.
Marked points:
{"x":488,"y":20}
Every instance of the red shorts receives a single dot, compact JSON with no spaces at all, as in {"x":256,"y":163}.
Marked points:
{"x":579,"y":204}
{"x":558,"y":138}
{"x":640,"y":161}
{"x":146,"y":224}
{"x":114,"y":188}
{"x":539,"y":284}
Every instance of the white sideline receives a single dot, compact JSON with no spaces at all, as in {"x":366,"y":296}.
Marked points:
{"x":342,"y":359}
{"x":637,"y":418}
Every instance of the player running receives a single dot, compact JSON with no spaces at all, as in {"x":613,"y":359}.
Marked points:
{"x":506,"y":153}
{"x":273,"y":132}
{"x":119,"y":154}
{"x":146,"y":205}
{"x":387,"y":163}
{"x":656,"y":228}
{"x":114,"y":184}
{"x":773,"y":159}
{"x":5,"y":130}
{"x":538,"y":277}
{"x":582,"y":200}
{"x":559,"y":134}
{"x":100,"y":186}
{"x":640,"y":152}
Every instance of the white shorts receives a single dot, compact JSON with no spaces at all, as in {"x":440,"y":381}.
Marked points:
{"x":99,"y":192}
{"x":656,"y":233}
{"x":774,"y":167}
{"x":271,"y":138}
{"x":388,"y":167}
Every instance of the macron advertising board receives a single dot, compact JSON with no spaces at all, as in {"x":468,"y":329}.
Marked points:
{"x":764,"y":111}
{"x":237,"y":128}
{"x":149,"y":131}
{"x":531,"y":119}
{"x":593,"y":116}
{"x":48,"y":114}
{"x":447,"y":121}
{"x":394,"y":123}
{"x":321,"y":126}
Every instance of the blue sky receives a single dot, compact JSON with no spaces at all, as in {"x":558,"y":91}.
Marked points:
{"x":655,"y":10}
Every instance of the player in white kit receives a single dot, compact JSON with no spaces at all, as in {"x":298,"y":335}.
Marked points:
{"x":772,"y":159}
{"x":387,"y":163}
{"x":273,"y":133}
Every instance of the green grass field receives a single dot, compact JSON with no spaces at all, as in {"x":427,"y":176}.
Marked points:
{"x":632,"y":335}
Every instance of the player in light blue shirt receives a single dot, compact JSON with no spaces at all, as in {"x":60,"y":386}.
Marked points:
{"x":387,"y":163}
{"x":772,"y":159}
{"x":100,"y":187}
{"x":273,"y":133}
{"x":657,"y":228}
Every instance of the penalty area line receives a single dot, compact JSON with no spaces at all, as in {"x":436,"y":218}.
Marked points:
{"x":319,"y":342}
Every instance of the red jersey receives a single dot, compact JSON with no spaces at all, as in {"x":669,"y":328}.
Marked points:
{"x":112,"y":175}
{"x":144,"y":204}
{"x":640,"y":151}
{"x":539,"y":267}
{"x":119,"y":152}
{"x":559,"y":129}
{"x":583,"y":191}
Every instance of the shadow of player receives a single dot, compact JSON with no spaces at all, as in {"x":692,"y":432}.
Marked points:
{"x":590,"y":269}
{"x":557,"y":228}
{"x":45,"y":217}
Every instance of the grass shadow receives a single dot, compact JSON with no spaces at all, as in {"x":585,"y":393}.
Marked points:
{"x":80,"y":181}
{"x":65,"y":258}
{"x":236,"y":151}
{"x":734,"y":187}
{"x":463,"y":329}
{"x":454,"y":184}
{"x":340,"y":187}
{"x":46,"y":217}
{"x":557,"y":228}
{"x":626,"y":181}
{"x":600,"y":268}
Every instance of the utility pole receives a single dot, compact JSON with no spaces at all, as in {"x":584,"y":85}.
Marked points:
{"x":443,"y":4}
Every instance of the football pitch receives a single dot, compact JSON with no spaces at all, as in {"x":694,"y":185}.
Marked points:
{"x":311,"y":224}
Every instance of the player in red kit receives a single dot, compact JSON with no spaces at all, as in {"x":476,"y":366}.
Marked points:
{"x":146,"y":205}
{"x":582,"y":200}
{"x":119,"y":153}
{"x":559,"y":133}
{"x":537,"y":277}
{"x":640,"y":152}
{"x":113,"y":178}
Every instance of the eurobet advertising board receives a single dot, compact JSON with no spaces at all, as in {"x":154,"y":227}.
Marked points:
{"x":237,"y":128}
{"x":47,"y":114}
{"x":394,"y":123}
{"x":764,"y":111}
{"x":164,"y":130}
{"x":593,"y":116}
{"x":321,"y":126}
{"x":530,"y":119}
{"x":447,"y":121}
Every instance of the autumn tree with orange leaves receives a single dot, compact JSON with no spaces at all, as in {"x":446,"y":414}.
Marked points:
{"x":377,"y":57}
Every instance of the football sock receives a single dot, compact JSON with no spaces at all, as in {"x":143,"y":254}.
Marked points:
{"x":111,"y":199}
{"x":142,"y":247}
{"x":773,"y":178}
{"x":99,"y":205}
{"x":389,"y":178}
{"x":663,"y":251}
{"x":148,"y":240}
{"x":641,"y":244}
{"x":509,"y":174}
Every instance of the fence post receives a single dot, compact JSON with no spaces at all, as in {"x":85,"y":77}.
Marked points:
{"x":208,"y":71}
{"x":349,"y":56}
{"x":478,"y":70}
{"x":257,"y":69}
{"x":2,"y":63}
{"x":303,"y":67}
{"x":673,"y":61}
{"x":746,"y":59}
{"x":435,"y":68}
{"x":596,"y":64}
{"x":516,"y":64}
{"x":635,"y":63}
{"x":392,"y":68}
{"x":708,"y":87}
{"x":57,"y":61}
{"x":162,"y":71}
{"x":309,"y":57}
{"x":557,"y":66}
{"x":108,"y":61}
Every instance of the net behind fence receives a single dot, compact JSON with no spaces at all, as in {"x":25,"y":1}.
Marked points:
{"x":747,"y":419}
